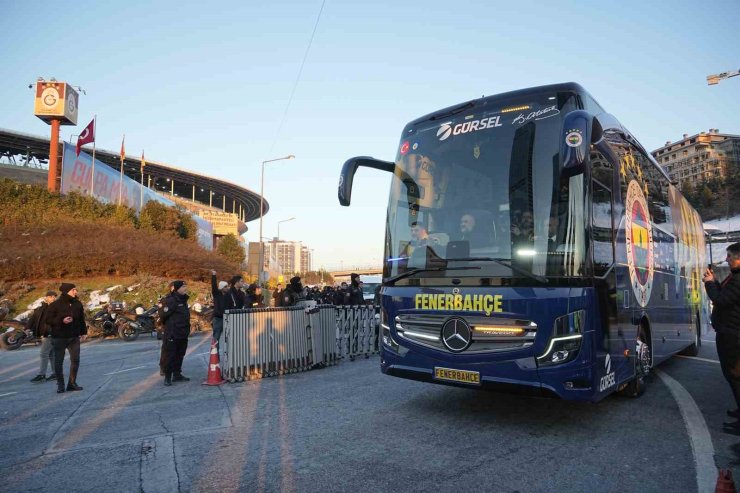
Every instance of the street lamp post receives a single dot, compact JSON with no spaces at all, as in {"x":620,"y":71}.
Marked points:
{"x":262,"y":208}
{"x":283,"y":221}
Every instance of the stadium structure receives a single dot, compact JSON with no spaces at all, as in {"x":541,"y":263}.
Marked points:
{"x":226,"y":206}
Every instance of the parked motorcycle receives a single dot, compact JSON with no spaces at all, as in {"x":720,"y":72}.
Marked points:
{"x":113,"y":320}
{"x":147,"y":319}
{"x":15,"y":334}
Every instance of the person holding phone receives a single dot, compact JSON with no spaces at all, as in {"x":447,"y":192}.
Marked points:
{"x":66,"y":317}
{"x":725,"y":298}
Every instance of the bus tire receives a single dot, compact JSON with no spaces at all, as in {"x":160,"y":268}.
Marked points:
{"x":637,"y":386}
{"x":693,"y":349}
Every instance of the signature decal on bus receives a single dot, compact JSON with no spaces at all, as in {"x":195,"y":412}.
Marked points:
{"x":537,"y":115}
{"x":487,"y":303}
{"x":639,"y":241}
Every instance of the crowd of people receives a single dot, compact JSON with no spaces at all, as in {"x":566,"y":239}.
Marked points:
{"x":59,"y":322}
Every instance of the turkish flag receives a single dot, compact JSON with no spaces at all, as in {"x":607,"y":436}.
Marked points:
{"x":87,"y":136}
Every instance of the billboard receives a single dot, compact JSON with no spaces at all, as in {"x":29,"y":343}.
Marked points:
{"x":77,"y":177}
{"x":224,"y":223}
{"x":56,"y":100}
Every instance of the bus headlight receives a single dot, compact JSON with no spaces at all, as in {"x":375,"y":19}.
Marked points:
{"x":385,"y":331}
{"x":565,"y":341}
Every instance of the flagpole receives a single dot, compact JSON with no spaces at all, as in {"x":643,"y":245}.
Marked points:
{"x":92,"y":175}
{"x":120,"y":184}
{"x":141,"y":195}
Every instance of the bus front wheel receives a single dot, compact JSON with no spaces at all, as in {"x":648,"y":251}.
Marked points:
{"x":636,"y":387}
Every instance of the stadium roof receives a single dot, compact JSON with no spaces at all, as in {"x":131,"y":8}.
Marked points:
{"x":187,"y":184}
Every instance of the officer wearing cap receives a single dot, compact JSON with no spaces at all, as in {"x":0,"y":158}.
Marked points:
{"x":175,"y":314}
{"x":254,"y":297}
{"x":354,"y":291}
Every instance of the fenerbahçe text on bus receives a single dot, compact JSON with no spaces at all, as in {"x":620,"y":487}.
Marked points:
{"x":533,"y":244}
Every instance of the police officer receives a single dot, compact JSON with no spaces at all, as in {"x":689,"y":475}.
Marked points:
{"x":725,"y":298}
{"x":354,"y":291}
{"x":293,"y":293}
{"x":254,"y":297}
{"x":175,"y":314}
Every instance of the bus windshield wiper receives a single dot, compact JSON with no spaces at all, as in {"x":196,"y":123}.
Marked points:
{"x":391,"y":280}
{"x":506,"y":263}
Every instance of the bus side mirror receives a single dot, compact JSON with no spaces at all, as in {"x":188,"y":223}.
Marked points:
{"x":349,"y":169}
{"x":575,"y":142}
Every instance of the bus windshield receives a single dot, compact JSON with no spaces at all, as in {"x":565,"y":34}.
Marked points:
{"x":482,"y":188}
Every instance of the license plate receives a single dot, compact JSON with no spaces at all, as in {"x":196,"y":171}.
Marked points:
{"x":452,"y":375}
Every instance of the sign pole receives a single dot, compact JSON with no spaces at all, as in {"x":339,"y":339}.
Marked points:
{"x":51,"y":181}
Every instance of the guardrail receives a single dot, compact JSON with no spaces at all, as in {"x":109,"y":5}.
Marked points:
{"x":266,"y":342}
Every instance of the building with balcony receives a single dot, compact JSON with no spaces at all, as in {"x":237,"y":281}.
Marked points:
{"x":699,"y":157}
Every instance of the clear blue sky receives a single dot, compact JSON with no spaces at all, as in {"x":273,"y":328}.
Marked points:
{"x":204,"y":86}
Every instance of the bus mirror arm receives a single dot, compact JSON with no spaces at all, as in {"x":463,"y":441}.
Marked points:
{"x":349,"y":169}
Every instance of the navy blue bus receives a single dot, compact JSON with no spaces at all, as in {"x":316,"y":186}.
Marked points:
{"x":533,"y":244}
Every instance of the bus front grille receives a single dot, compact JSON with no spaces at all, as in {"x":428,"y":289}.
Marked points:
{"x":489,"y":334}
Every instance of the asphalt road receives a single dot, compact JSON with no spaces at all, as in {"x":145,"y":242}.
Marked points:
{"x":341,"y":428}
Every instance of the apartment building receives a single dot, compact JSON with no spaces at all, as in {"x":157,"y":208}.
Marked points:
{"x":699,"y":157}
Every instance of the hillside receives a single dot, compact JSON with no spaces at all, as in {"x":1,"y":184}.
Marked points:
{"x":45,"y":235}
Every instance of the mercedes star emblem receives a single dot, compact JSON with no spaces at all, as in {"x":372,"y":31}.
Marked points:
{"x":456,"y":335}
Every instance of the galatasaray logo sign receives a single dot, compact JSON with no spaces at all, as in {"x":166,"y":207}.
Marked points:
{"x":639,"y":240}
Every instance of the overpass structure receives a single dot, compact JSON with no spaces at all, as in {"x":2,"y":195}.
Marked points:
{"x":24,"y":156}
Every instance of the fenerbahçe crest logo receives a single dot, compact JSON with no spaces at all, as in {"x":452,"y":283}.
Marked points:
{"x":639,"y":240}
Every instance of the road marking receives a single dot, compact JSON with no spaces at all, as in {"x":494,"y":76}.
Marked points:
{"x":127,"y":369}
{"x":9,"y":393}
{"x":698,"y":359}
{"x":708,"y":341}
{"x":696,"y":427}
{"x":158,"y":467}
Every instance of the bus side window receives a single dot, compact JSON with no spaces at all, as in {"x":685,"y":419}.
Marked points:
{"x":602,"y":228}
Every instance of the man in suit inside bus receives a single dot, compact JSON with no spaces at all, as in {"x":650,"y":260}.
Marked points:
{"x":725,"y":298}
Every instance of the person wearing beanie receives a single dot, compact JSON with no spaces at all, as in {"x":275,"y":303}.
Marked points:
{"x":254,"y":297}
{"x":221,"y":297}
{"x":237,"y":299}
{"x":163,"y":355}
{"x":66,"y":319}
{"x":39,"y":327}
{"x":293,"y":293}
{"x":175,"y":314}
{"x":355,"y":291}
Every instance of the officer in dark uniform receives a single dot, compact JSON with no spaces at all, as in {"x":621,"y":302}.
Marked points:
{"x":175,"y":314}
{"x":254,"y":297}
{"x":293,"y":293}
{"x":354,"y":291}
{"x":726,"y":322}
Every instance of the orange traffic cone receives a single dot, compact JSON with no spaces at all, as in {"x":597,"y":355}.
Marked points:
{"x":725,"y":484}
{"x":214,"y":367}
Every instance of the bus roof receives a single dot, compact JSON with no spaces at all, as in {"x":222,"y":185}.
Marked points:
{"x":561,"y":87}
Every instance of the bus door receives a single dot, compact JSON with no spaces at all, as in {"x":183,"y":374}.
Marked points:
{"x":609,"y":339}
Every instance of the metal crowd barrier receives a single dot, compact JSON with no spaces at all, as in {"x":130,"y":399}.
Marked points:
{"x":356,"y":331}
{"x":264,"y":342}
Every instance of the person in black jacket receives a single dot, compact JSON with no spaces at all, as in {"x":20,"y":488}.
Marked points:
{"x":39,"y":327}
{"x":726,"y":322}
{"x":354,"y":291}
{"x":254,"y":297}
{"x":293,"y":293}
{"x":237,"y":298}
{"x":66,"y":318}
{"x":220,"y":294}
{"x":175,"y":314}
